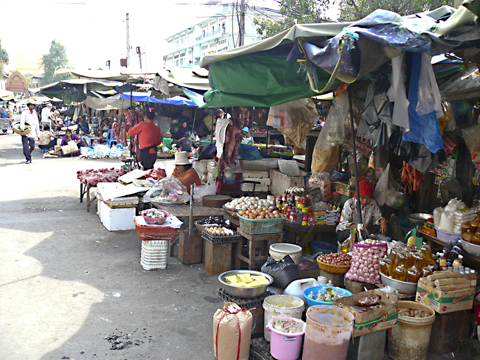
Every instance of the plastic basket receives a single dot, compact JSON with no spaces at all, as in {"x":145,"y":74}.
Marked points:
{"x":153,"y":221}
{"x":333,"y":269}
{"x":261,"y":226}
{"x":446,"y":236}
{"x":149,"y":233}
{"x":221,"y":239}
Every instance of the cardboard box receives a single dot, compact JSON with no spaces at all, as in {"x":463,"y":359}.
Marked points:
{"x":281,"y":182}
{"x":374,"y":320}
{"x":343,"y":189}
{"x":444,"y":302}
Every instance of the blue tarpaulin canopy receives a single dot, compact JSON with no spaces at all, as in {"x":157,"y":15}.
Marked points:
{"x":145,"y":97}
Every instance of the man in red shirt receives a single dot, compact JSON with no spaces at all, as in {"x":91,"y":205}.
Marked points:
{"x":149,"y":136}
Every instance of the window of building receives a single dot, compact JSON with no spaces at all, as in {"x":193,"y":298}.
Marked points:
{"x":222,"y":42}
{"x":176,"y":63}
{"x":212,"y":45}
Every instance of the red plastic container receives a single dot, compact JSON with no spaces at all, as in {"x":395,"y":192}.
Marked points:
{"x":148,"y":233}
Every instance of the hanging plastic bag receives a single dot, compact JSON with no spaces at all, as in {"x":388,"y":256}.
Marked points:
{"x":472,"y":139}
{"x":208,"y":189}
{"x":325,"y":153}
{"x":447,"y":116}
{"x":285,"y":115}
{"x":381,"y":190}
{"x":168,"y":190}
{"x":429,"y":97}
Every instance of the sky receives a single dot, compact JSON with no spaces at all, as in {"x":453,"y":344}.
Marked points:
{"x":94,"y":31}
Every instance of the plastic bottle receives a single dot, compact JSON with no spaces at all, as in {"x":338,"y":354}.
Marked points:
{"x":473,"y":278}
{"x":453,"y":254}
{"x":459,"y":245}
{"x":400,"y":272}
{"x":427,"y":252}
{"x":458,"y":261}
{"x":385,"y":266}
{"x":426,"y":271}
{"x":442,"y":262}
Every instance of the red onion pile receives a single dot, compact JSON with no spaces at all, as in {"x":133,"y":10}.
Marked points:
{"x":336,"y":259}
{"x":93,"y":177}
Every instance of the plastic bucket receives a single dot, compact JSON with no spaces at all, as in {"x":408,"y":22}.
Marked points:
{"x":410,"y":338}
{"x":281,"y":305}
{"x":285,"y":346}
{"x":327,"y":333}
{"x":279,"y":251}
{"x":318,"y":246}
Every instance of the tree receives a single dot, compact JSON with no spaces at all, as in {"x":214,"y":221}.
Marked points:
{"x":3,"y":59}
{"x":314,"y":11}
{"x":293,"y":11}
{"x":56,"y":57}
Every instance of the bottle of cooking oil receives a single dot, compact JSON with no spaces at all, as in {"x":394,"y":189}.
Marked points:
{"x":427,"y":252}
{"x":426,"y":271}
{"x":385,"y":266}
{"x":400,"y":272}
{"x":401,"y":258}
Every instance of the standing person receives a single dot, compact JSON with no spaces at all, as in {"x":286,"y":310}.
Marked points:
{"x":149,"y":137}
{"x":28,"y":141}
{"x":47,"y":115}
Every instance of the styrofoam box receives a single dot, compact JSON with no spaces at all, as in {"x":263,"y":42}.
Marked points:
{"x":255,"y":175}
{"x":117,"y":219}
{"x":258,"y":188}
{"x":261,"y":181}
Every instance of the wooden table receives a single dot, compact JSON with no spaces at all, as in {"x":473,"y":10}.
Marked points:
{"x":85,"y":190}
{"x":471,"y":260}
{"x":252,"y":242}
{"x":311,"y":231}
{"x":182,"y":212}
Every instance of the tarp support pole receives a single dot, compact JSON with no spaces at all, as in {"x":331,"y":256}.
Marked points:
{"x":357,"y":181}
{"x":211,"y":135}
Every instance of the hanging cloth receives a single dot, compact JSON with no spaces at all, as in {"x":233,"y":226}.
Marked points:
{"x":398,"y":95}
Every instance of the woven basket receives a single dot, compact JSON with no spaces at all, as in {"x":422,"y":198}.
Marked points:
{"x":333,"y":269}
{"x":261,"y":226}
{"x":20,"y":132}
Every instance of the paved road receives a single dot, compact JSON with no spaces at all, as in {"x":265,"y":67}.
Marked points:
{"x":67,"y":284}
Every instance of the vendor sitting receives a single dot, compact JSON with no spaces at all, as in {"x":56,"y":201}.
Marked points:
{"x":371,"y":216}
{"x":47,"y":139}
{"x":186,"y":144}
{"x":182,"y":131}
{"x":70,"y":137}
{"x":184,"y":171}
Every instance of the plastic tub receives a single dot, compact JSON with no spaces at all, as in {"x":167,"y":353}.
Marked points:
{"x":285,"y":346}
{"x":281,"y":305}
{"x":280,"y":250}
{"x":327,"y":333}
{"x":411,"y":337}
{"x":315,"y":289}
{"x":324,"y":247}
{"x":446,"y":236}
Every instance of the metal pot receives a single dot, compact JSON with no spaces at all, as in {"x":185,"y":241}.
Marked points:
{"x":403,"y":287}
{"x":419,"y":218}
{"x":245,"y":292}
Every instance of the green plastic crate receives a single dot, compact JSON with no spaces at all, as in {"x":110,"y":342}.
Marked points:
{"x":261,"y":226}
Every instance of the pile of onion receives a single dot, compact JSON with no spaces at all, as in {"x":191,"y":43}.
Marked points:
{"x":342,"y":259}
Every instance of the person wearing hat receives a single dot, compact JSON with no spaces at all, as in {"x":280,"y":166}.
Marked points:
{"x":47,"y":115}
{"x":149,"y":137}
{"x":372,"y":218}
{"x":184,"y":171}
{"x":28,"y":141}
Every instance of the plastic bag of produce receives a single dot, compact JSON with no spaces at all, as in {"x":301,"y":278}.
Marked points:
{"x":365,"y":267}
{"x":232,"y":330}
{"x":283,"y":271}
{"x":208,"y":189}
{"x":168,"y":190}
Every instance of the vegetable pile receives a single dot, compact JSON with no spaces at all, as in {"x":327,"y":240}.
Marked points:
{"x":93,"y":177}
{"x":336,"y":259}
{"x":245,"y":202}
{"x":365,"y":267}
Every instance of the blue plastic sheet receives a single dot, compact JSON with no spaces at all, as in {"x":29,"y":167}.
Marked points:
{"x":144,"y":97}
{"x":248,"y":152}
{"x":424,"y":129}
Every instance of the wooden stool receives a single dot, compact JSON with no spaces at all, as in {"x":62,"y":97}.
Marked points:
{"x":263,"y":239}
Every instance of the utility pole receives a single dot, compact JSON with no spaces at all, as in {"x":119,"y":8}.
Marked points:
{"x":128,"y":43}
{"x":139,"y":56}
{"x":241,"y":29}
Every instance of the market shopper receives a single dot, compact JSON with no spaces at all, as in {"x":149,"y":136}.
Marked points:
{"x":149,"y":137}
{"x":372,"y":218}
{"x":184,"y":171}
{"x":47,"y":139}
{"x":47,"y":115}
{"x":28,"y":141}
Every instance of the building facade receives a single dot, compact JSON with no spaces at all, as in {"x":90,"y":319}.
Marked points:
{"x":215,"y":34}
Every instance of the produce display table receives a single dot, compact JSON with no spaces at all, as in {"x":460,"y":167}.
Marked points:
{"x":85,"y":190}
{"x":311,"y":231}
{"x":252,"y":242}
{"x":471,"y":260}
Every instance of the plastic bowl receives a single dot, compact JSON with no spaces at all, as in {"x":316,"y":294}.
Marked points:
{"x":403,"y":287}
{"x":471,"y":248}
{"x":245,"y":292}
{"x":286,"y":157}
{"x":315,"y":289}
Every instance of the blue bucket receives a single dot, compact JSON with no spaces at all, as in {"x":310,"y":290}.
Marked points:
{"x":322,"y":246}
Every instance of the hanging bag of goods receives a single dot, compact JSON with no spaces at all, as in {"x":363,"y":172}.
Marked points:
{"x":232,"y":330}
{"x":365,"y":257}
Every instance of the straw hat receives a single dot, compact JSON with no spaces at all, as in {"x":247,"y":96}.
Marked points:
{"x":181,"y":158}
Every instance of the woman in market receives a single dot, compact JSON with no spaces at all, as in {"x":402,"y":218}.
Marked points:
{"x":70,"y":137}
{"x":182,"y":131}
{"x":372,"y":218}
{"x":149,"y":137}
{"x":47,"y":139}
{"x":184,"y":171}
{"x":187,"y":145}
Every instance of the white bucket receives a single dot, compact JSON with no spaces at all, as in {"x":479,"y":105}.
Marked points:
{"x":279,"y":251}
{"x":281,"y":305}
